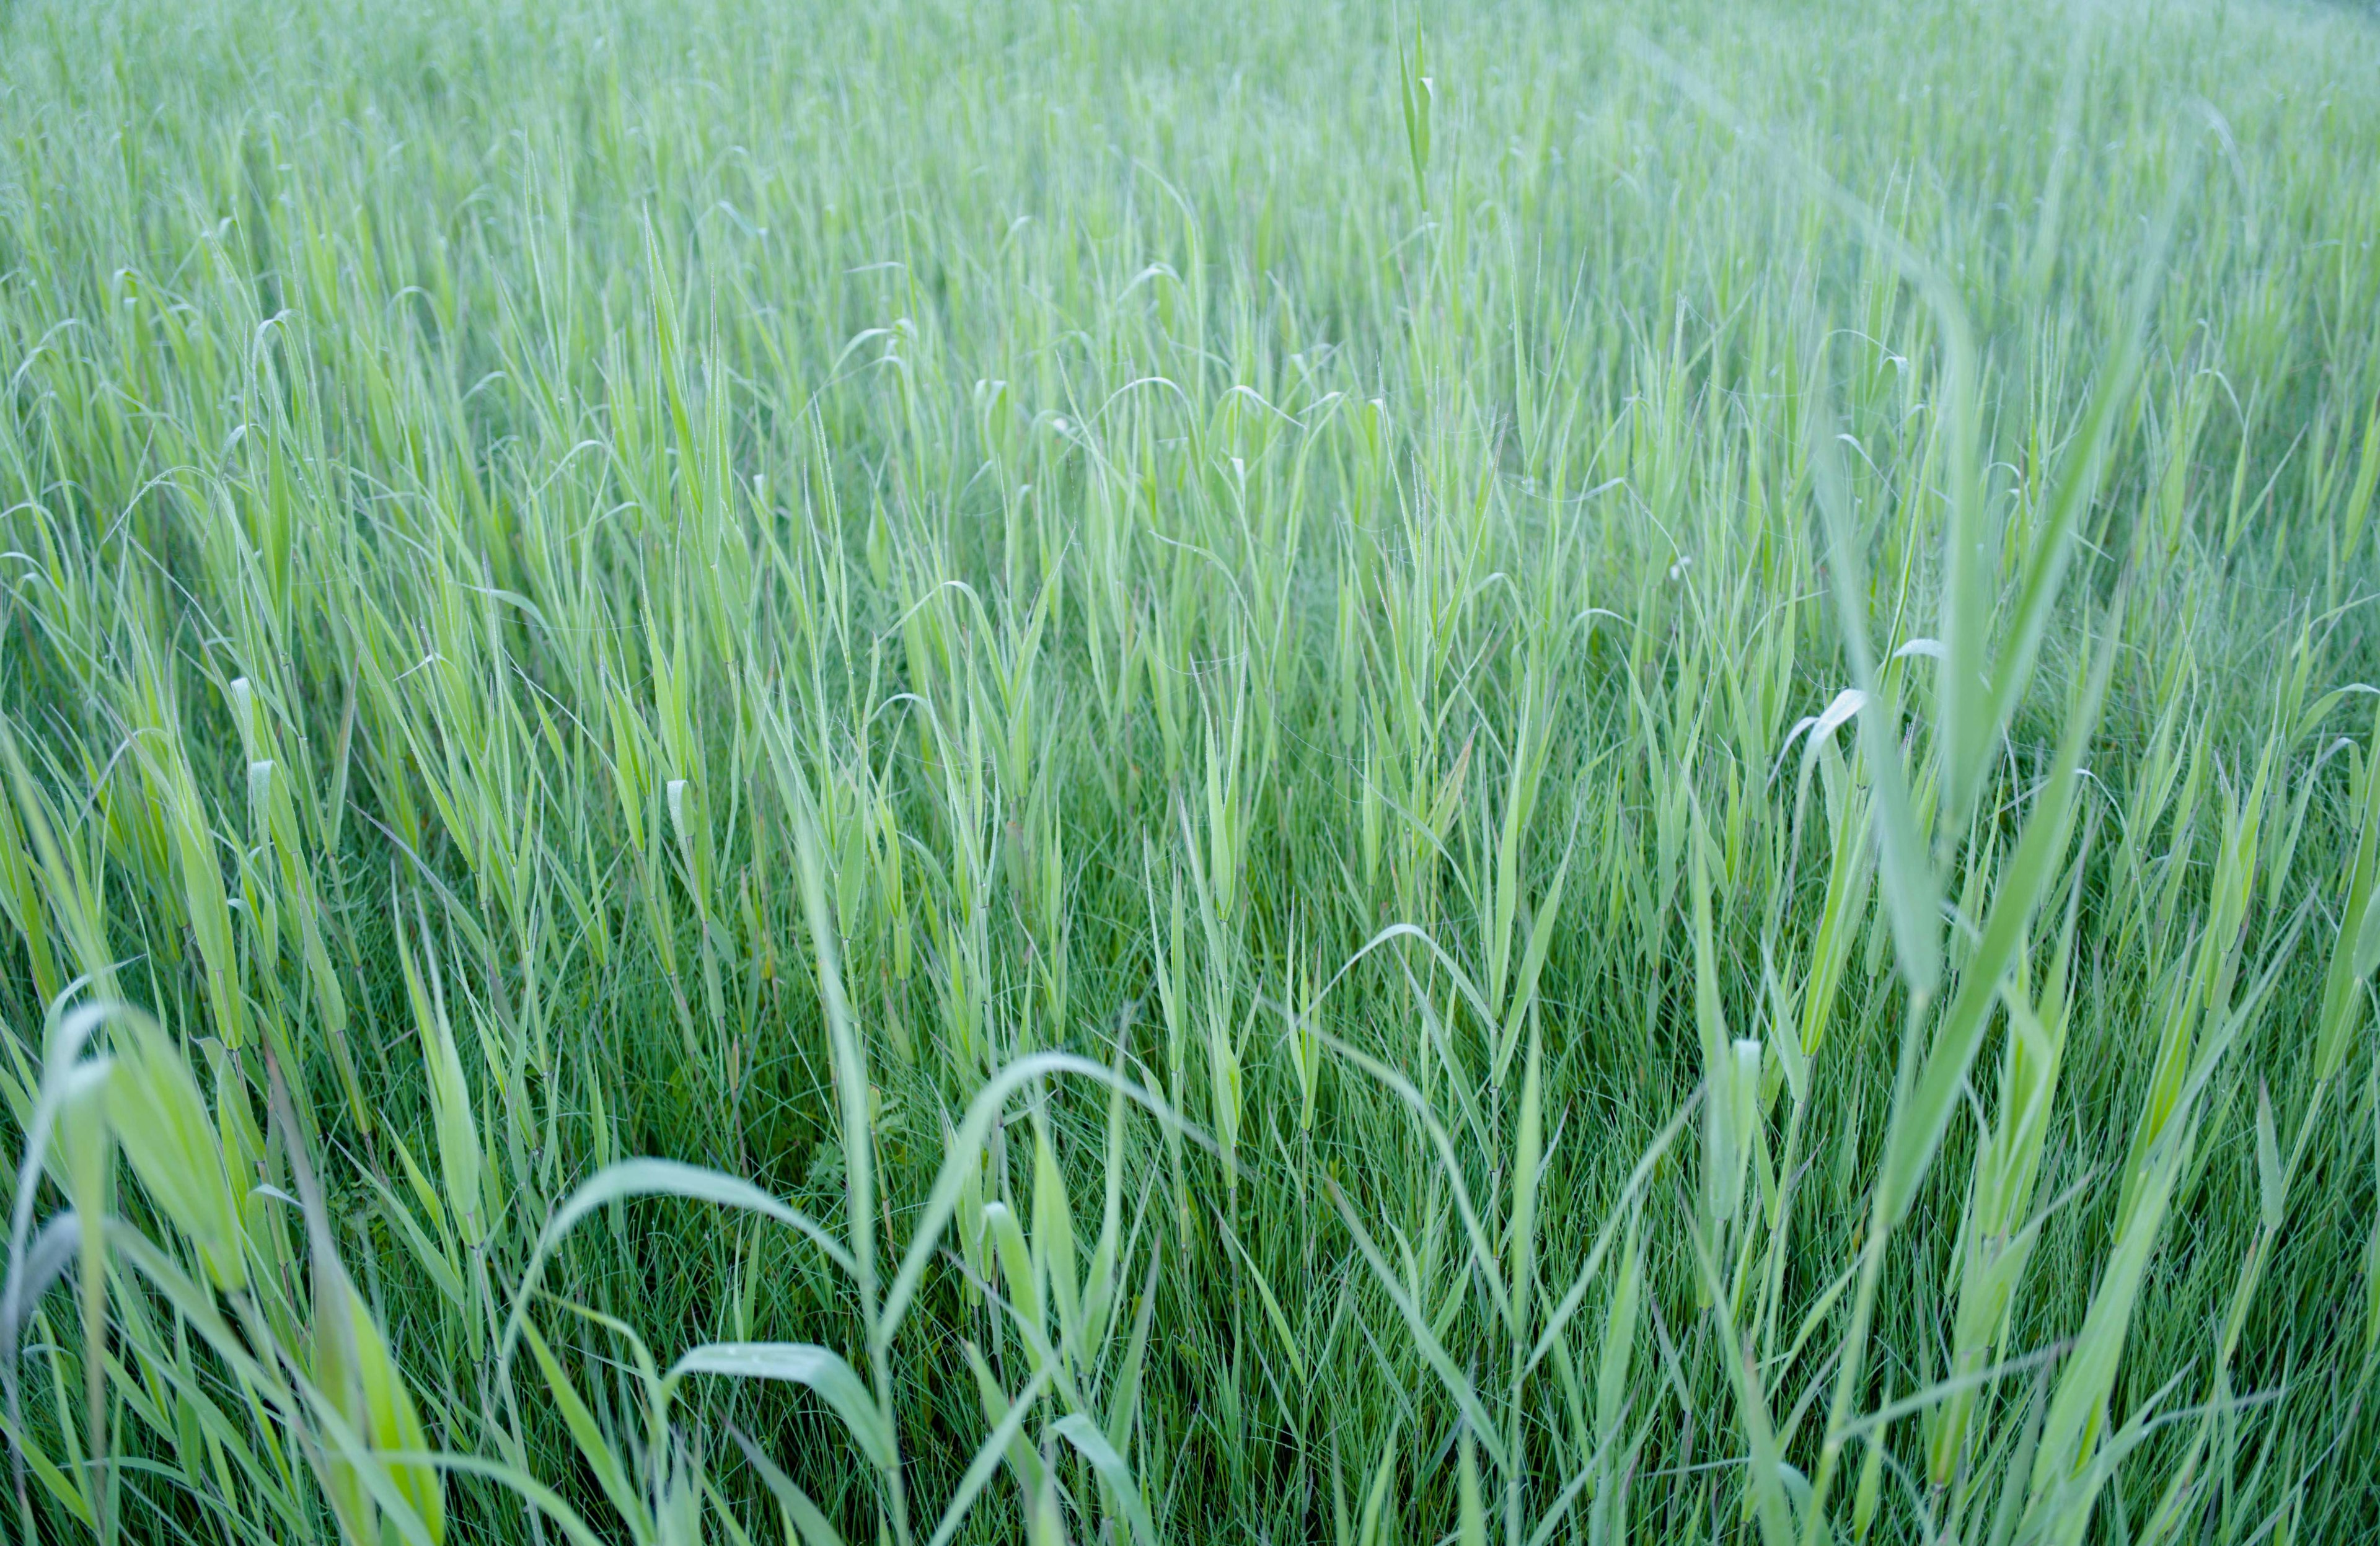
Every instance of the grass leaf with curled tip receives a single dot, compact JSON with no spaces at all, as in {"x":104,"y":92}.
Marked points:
{"x":974,"y":1129}
{"x":800,"y":1363}
{"x":653,"y":1177}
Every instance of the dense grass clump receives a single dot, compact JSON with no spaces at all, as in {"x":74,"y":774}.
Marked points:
{"x":1266,"y":771}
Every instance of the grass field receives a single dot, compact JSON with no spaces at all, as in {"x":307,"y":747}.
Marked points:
{"x":933,"y":773}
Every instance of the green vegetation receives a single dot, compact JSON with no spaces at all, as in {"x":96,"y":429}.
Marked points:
{"x":1092,"y":772}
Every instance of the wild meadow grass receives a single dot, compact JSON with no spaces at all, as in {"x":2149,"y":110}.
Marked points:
{"x":1087,"y":772}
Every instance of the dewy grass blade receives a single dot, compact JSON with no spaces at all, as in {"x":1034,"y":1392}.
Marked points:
{"x":798,"y":1363}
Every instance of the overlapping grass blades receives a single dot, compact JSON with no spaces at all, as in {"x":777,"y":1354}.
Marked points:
{"x":935,"y":774}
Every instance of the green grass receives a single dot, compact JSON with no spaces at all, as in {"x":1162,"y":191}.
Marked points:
{"x":1261,"y":771}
